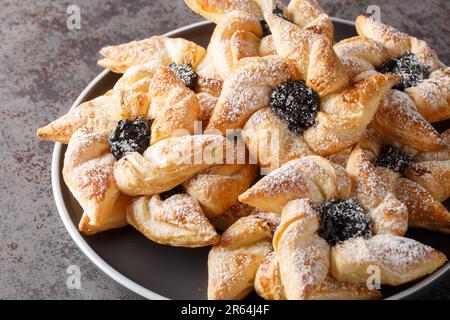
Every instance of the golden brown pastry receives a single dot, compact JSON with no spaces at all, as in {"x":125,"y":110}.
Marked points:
{"x":216,"y":10}
{"x":308,"y":233}
{"x":241,"y":33}
{"x":424,"y":211}
{"x":437,"y":155}
{"x":177,"y":221}
{"x":429,"y":88}
{"x":269,"y":286}
{"x":376,"y":195}
{"x":154,"y":52}
{"x":174,"y":107}
{"x":101,"y":113}
{"x":88,"y":173}
{"x":248,"y":90}
{"x":234,"y":260}
{"x":342,"y":116}
{"x":303,"y":256}
{"x":396,"y":42}
{"x":308,"y":15}
{"x":235,"y":37}
{"x":398,"y":119}
{"x":433,"y":176}
{"x":311,"y":53}
{"x":361,"y":56}
{"x":420,"y":184}
{"x":169,"y":163}
{"x":310,"y":177}
{"x":270,"y":141}
{"x":402,"y":116}
{"x":432,"y":96}
{"x":208,"y":91}
{"x":163,"y":97}
{"x":400,"y":259}
{"x":217,"y":188}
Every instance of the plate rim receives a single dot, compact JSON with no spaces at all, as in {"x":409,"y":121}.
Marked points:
{"x":116,"y":275}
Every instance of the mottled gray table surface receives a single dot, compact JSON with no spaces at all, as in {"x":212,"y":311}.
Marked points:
{"x":44,"y":66}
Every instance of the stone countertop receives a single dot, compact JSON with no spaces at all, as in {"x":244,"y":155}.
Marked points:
{"x":44,"y":68}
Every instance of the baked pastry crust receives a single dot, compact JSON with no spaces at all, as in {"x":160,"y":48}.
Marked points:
{"x":308,"y":15}
{"x":427,"y":184}
{"x":217,"y":188}
{"x":437,"y":155}
{"x":270,"y":142}
{"x":163,"y":97}
{"x":424,"y":211}
{"x":398,"y":119}
{"x":216,"y":10}
{"x":174,"y":107}
{"x":269,"y":286}
{"x":402,"y":116}
{"x":396,"y":42}
{"x":248,"y":90}
{"x":400,"y":259}
{"x":88,"y":173}
{"x":312,"y":55}
{"x":360,"y":56}
{"x":376,"y":195}
{"x":101,"y":114}
{"x":234,"y":38}
{"x":234,"y":260}
{"x":310,"y":177}
{"x":303,"y":256}
{"x":432,"y":96}
{"x":169,"y":163}
{"x":177,"y":221}
{"x":344,"y":116}
{"x":153,"y":52}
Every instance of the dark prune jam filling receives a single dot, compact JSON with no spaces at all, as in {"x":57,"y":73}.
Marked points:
{"x":185,"y":73}
{"x":130,"y":136}
{"x":411,"y":71}
{"x":392,"y":158}
{"x":278,"y":11}
{"x":341,"y":220}
{"x":167,"y":194}
{"x":296,"y":104}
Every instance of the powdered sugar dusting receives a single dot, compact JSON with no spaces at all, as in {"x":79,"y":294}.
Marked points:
{"x":398,"y":252}
{"x":184,"y":212}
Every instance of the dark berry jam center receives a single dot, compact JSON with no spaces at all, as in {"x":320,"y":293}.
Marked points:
{"x":296,"y":104}
{"x":185,"y":73}
{"x":392,"y":158}
{"x":341,"y":220}
{"x":411,"y":71}
{"x":130,"y":136}
{"x":278,"y":11}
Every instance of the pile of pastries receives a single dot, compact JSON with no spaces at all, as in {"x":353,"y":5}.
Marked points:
{"x":301,"y":161}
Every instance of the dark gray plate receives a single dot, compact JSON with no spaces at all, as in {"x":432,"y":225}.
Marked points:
{"x":155,"y":271}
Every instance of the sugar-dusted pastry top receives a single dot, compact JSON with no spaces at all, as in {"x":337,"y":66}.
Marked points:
{"x":301,"y":162}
